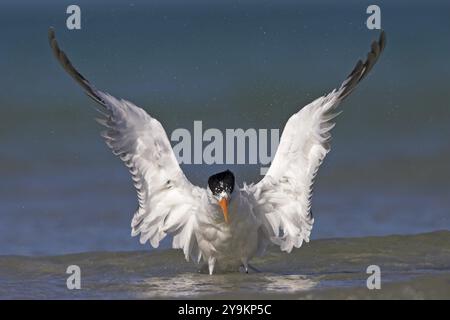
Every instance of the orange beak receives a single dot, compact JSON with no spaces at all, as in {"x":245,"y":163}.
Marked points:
{"x":223,"y":203}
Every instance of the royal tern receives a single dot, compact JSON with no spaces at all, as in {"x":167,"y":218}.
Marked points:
{"x":221,"y":224}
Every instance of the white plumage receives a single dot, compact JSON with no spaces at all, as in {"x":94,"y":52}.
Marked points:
{"x":276,"y":210}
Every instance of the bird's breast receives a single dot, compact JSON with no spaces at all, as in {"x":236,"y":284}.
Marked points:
{"x":229,"y":242}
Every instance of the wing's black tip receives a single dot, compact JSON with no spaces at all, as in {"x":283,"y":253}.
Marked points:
{"x":51,"y":34}
{"x":361,"y":69}
{"x":382,"y":40}
{"x":64,"y":61}
{"x":52,"y":42}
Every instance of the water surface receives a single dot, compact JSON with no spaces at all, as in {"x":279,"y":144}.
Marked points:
{"x":412,"y":267}
{"x":230,"y":65}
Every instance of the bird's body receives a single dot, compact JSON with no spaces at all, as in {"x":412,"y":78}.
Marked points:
{"x":230,"y":244}
{"x":221,"y":224}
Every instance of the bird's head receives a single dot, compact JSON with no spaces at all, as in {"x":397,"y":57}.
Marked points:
{"x":222,"y":185}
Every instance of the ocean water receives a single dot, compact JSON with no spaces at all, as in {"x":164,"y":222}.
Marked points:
{"x":411,"y":267}
{"x":234,"y":64}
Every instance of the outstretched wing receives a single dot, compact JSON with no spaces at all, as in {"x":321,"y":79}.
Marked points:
{"x":283,"y":196}
{"x":168,"y":202}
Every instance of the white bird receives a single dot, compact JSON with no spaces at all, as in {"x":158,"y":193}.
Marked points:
{"x":221,"y":224}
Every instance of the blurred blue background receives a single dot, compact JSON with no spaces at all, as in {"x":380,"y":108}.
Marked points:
{"x":231,"y":64}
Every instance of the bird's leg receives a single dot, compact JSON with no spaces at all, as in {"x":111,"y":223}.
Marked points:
{"x":244,"y":264}
{"x":211,"y":263}
{"x":243,"y":268}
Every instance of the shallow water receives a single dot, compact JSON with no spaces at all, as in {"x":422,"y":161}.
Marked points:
{"x":412,"y":267}
{"x":231,"y":65}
